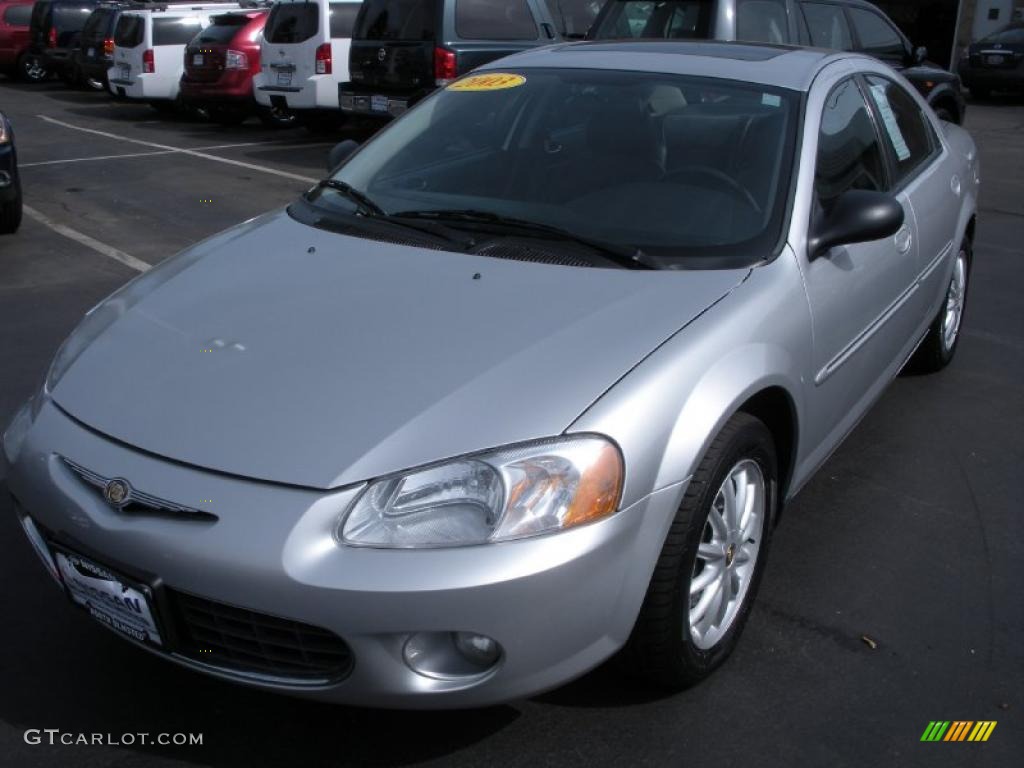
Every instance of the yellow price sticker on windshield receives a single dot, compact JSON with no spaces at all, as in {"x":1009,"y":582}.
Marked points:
{"x":495,"y":81}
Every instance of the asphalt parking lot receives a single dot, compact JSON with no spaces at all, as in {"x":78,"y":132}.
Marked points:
{"x":892,"y":597}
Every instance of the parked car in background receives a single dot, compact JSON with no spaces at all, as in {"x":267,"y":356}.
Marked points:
{"x":149,"y":51}
{"x":995,"y":63}
{"x":10,"y":182}
{"x":304,"y":59}
{"x":404,"y":49}
{"x":55,"y":29}
{"x":220,"y":63}
{"x":15,"y":41}
{"x":95,"y":52}
{"x":844,"y":25}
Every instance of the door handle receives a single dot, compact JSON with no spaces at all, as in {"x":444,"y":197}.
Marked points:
{"x":903,"y":240}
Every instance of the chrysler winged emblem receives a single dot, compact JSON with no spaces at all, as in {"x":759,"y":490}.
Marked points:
{"x":117,"y":492}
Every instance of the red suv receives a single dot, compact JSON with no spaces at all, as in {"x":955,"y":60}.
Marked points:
{"x":14,"y":41}
{"x":219,"y":65}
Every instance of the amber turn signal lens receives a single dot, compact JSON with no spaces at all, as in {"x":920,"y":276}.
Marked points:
{"x":599,"y":491}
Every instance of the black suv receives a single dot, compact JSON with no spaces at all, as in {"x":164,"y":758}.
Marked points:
{"x":54,"y":32}
{"x":404,"y":49}
{"x":847,"y":25}
{"x":94,"y":54}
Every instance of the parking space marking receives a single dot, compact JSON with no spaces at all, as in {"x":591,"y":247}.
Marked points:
{"x":142,"y":154}
{"x":73,"y":234}
{"x":182,"y":150}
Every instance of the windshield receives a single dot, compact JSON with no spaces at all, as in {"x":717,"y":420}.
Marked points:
{"x":679,"y":167}
{"x":667,"y":19}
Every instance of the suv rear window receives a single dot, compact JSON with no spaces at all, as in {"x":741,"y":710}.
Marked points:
{"x":397,"y":20}
{"x":223,"y":29}
{"x":494,"y":20}
{"x":130,"y":31}
{"x":343,"y":19}
{"x":175,"y":30}
{"x":97,"y":23}
{"x":292,"y":22}
{"x":674,"y":19}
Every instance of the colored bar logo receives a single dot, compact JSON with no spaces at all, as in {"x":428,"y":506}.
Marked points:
{"x":958,"y":730}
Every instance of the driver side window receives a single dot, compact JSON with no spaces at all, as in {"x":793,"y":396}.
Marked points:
{"x":849,"y":155}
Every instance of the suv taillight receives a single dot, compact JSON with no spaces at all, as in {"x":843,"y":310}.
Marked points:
{"x":323,"y":59}
{"x":148,"y":62}
{"x":108,"y":47}
{"x":51,"y":38}
{"x":236,"y":60}
{"x":444,"y":67}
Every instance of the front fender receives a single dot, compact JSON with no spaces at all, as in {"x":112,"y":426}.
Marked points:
{"x":665,"y":413}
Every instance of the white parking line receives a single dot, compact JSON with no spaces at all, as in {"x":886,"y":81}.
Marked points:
{"x":182,"y":150}
{"x":141,"y":154}
{"x":88,"y":242}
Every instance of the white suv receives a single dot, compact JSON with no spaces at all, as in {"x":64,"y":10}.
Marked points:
{"x":149,"y":50}
{"x":304,"y":57}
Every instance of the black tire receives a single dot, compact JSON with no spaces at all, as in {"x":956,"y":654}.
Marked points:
{"x":946,"y":114}
{"x":935,"y":353}
{"x":30,"y":70}
{"x":10,"y":212}
{"x":661,"y":648}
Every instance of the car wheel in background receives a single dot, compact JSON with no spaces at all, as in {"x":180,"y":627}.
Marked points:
{"x":10,"y":212}
{"x":712,"y":560}
{"x":939,"y":345}
{"x":944,"y":113}
{"x":272,"y":117}
{"x":94,"y":84}
{"x":30,"y":70}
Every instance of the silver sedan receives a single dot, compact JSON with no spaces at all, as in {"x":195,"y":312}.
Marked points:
{"x":524,"y":383}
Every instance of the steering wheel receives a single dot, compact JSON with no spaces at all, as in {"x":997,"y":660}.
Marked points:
{"x":719,"y":179}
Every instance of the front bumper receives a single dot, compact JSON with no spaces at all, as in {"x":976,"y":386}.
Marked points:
{"x":558,"y":605}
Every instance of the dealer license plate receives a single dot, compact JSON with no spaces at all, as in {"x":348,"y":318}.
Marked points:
{"x":197,"y":59}
{"x":108,"y":598}
{"x":379,"y":103}
{"x":995,"y":61}
{"x":284,"y":78}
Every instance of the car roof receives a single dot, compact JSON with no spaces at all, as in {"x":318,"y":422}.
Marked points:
{"x":786,"y":66}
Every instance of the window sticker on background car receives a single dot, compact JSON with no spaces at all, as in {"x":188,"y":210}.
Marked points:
{"x":492,"y":82}
{"x":771,"y":99}
{"x":891,"y":126}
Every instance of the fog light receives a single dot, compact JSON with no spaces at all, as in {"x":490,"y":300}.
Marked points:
{"x":451,"y":655}
{"x":479,"y":649}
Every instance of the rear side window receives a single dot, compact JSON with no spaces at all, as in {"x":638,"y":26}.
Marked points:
{"x":876,"y":35}
{"x":642,"y":18}
{"x":762,"y":21}
{"x":343,"y":19}
{"x":494,"y":20}
{"x":849,"y":156}
{"x":175,"y":30}
{"x":908,"y":134}
{"x":18,"y":15}
{"x":828,"y":26}
{"x":222,"y":29}
{"x":97,"y":23}
{"x":130,"y":31}
{"x":397,"y":20}
{"x":573,"y":17}
{"x":292,"y":22}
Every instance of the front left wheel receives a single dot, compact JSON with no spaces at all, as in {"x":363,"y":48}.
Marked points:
{"x":940,"y":343}
{"x":712,"y":560}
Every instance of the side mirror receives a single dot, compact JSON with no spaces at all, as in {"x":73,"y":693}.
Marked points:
{"x":339,"y":153}
{"x":858,"y":216}
{"x":920,"y":55}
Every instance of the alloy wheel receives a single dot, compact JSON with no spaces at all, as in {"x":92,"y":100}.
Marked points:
{"x":954,"y":302}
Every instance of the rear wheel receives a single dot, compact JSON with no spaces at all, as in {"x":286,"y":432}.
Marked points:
{"x":939,"y":345}
{"x":10,"y":212}
{"x":712,"y":560}
{"x":946,"y":114}
{"x":30,"y":70}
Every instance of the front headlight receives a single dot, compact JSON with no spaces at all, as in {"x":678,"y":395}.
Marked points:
{"x":5,"y":134}
{"x":505,"y":494}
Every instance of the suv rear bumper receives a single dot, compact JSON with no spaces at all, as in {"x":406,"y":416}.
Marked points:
{"x":145,"y":87}
{"x":316,"y":92}
{"x":377,"y":102}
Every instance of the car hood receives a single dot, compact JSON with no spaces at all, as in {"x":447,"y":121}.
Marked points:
{"x":286,"y":353}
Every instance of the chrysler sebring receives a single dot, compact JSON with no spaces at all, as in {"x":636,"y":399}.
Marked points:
{"x":524,"y":383}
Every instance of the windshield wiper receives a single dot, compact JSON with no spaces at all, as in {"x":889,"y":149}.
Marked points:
{"x":627,"y":256}
{"x":367,"y":208}
{"x":364,"y":203}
